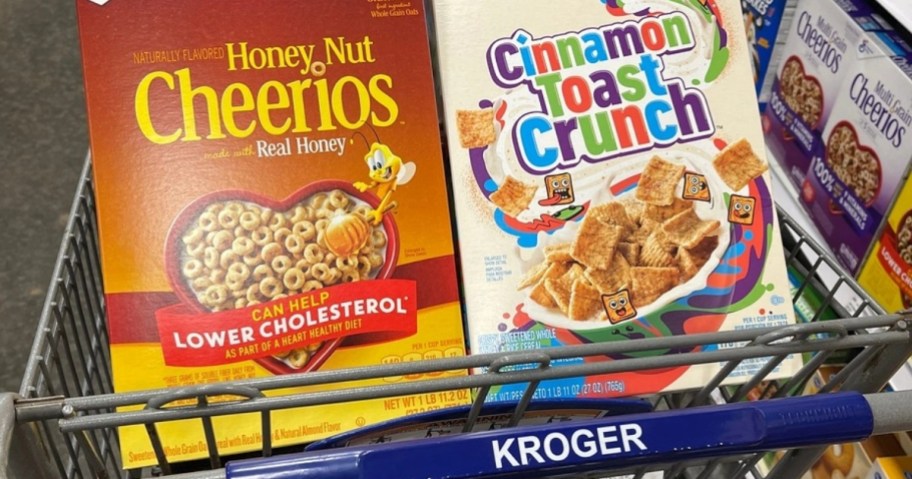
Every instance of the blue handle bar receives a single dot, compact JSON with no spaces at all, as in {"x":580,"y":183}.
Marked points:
{"x":611,"y":443}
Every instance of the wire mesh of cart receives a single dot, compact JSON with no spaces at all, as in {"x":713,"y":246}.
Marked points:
{"x":63,"y":422}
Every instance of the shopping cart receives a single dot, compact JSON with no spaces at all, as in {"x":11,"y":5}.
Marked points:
{"x":64,"y":420}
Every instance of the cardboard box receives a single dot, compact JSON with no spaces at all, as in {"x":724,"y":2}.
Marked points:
{"x":892,"y":468}
{"x":609,"y":183}
{"x":887,"y":271}
{"x":857,"y":460}
{"x":861,"y":160}
{"x":271,"y":200}
{"x":821,"y":43}
{"x":763,"y":20}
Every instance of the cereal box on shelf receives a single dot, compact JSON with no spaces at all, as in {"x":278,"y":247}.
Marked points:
{"x":271,"y":200}
{"x":887,"y":272}
{"x":763,"y":20}
{"x":858,"y":166}
{"x":822,"y":42}
{"x":610,"y":185}
{"x":846,"y":460}
{"x":891,"y":468}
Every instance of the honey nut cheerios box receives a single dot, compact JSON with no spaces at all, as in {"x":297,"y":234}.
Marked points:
{"x":271,"y":200}
{"x":610,"y":180}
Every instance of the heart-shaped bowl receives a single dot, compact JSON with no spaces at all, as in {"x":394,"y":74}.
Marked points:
{"x":805,"y":77}
{"x":180,"y":226}
{"x":860,"y":147}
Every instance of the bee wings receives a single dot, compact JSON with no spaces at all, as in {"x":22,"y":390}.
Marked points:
{"x":406,"y":173}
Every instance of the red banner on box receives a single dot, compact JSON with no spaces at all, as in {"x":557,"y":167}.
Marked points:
{"x":386,"y":310}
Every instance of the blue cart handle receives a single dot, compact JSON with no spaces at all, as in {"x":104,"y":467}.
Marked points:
{"x":604,"y":444}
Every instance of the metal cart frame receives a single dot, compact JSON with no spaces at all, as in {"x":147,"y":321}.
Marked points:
{"x":63,"y":421}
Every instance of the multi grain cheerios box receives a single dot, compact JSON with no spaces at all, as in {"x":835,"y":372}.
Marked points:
{"x":822,"y":42}
{"x":271,"y":200}
{"x":859,"y":165}
{"x":610,"y":180}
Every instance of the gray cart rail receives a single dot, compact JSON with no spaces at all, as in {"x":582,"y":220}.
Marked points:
{"x":63,"y":421}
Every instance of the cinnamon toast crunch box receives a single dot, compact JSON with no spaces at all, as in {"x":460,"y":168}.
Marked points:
{"x":271,"y":200}
{"x":610,"y":180}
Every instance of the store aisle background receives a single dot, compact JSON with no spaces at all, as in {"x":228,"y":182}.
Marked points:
{"x":42,"y":146}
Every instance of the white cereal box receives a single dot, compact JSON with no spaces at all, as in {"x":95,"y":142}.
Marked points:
{"x":858,"y":168}
{"x":610,"y":180}
{"x":822,"y":43}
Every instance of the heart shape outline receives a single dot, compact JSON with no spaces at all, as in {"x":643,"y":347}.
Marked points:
{"x":804,"y":76}
{"x":173,"y":249}
{"x":844,"y":123}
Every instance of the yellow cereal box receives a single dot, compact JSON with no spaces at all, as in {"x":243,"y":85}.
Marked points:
{"x":271,"y":200}
{"x":610,"y":180}
{"x":887,"y":272}
{"x":891,"y":468}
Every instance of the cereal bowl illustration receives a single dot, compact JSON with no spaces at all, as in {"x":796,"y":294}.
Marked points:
{"x":802,"y":92}
{"x":634,"y":250}
{"x":235,"y":249}
{"x":856,"y":165}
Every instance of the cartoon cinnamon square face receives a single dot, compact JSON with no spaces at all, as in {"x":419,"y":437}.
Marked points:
{"x":618,"y":307}
{"x":741,"y":210}
{"x":696,"y":188}
{"x":559,"y":186}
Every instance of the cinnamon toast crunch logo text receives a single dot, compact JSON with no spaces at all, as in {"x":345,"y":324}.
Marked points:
{"x":603,"y":92}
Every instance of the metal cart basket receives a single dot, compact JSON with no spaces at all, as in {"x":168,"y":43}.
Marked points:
{"x":63,"y":422}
